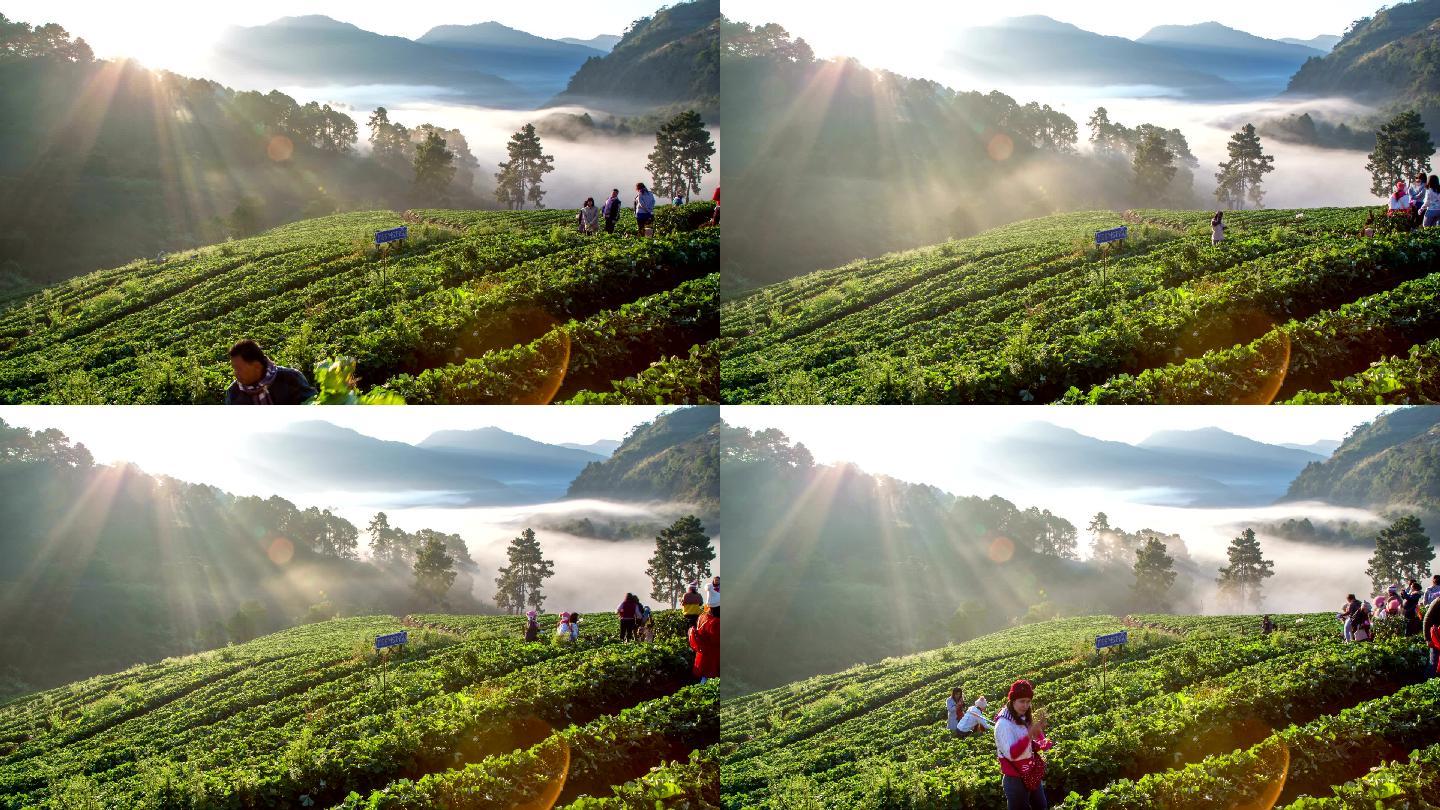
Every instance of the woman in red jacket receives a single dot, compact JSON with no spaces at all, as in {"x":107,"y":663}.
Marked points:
{"x":705,"y":641}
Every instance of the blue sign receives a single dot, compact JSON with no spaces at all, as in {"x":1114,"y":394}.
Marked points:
{"x":392,"y":640}
{"x":391,"y":235}
{"x":1112,"y":640}
{"x":1112,"y":235}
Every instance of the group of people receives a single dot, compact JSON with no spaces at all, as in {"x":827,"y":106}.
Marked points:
{"x":589,"y":218}
{"x":1419,"y":202}
{"x":1019,"y":740}
{"x":1420,"y":610}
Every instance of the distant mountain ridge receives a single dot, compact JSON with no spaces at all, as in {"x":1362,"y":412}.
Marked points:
{"x":1207,"y":60}
{"x":1324,"y":42}
{"x":602,"y":42}
{"x":1389,"y":57}
{"x":482,"y":63}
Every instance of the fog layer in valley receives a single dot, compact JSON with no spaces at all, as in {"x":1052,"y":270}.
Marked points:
{"x":1304,"y":176}
{"x":591,"y":576}
{"x":583,"y":168}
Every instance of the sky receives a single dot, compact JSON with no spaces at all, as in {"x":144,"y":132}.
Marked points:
{"x":194,"y":444}
{"x":902,"y":35}
{"x":174,"y":34}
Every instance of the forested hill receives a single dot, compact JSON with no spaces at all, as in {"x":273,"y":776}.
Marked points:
{"x":671,"y":58}
{"x":103,"y":162}
{"x":674,"y":458}
{"x":1388,"y":57}
{"x":1393,"y":461}
{"x":106,"y":565}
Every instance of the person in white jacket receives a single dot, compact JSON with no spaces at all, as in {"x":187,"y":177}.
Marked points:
{"x":712,"y":593}
{"x":1019,"y":737}
{"x":975,"y":718}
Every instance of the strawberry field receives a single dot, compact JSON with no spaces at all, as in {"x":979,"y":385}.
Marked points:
{"x":467,"y":715}
{"x":1291,"y":307}
{"x":475,"y":307}
{"x":1195,"y":712}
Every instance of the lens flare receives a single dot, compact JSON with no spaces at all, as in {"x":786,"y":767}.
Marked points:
{"x":280,"y":551}
{"x":1000,"y":147}
{"x":279,"y":149}
{"x":1001,"y":550}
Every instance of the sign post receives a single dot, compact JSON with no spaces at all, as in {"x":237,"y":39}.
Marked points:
{"x":391,"y":640}
{"x":1119,"y":234}
{"x":399,"y":234}
{"x":1112,"y":640}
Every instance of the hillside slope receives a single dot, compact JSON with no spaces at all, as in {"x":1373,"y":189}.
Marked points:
{"x":1195,"y":712}
{"x":1291,"y":306}
{"x":670,"y":58}
{"x":476,"y":307}
{"x":1387,"y":57}
{"x":1391,"y":462}
{"x":314,"y":717}
{"x":674,"y":458}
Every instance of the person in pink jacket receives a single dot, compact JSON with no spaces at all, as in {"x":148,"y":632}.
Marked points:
{"x":1019,"y":739}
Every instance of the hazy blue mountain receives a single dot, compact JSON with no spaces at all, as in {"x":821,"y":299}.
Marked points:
{"x":1208,"y":467}
{"x":316,"y":50}
{"x":1323,"y":447}
{"x":541,"y":65}
{"x":1325,"y":42}
{"x":454,"y":468}
{"x":603,"y":447}
{"x":1207,"y":60}
{"x":603,"y":42}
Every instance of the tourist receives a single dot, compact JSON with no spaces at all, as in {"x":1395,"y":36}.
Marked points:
{"x":259,"y":381}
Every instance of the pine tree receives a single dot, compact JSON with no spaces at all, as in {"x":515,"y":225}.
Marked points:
{"x":682,"y":155}
{"x":1402,"y":150}
{"x":389,"y":142}
{"x":1154,"y":166}
{"x":1242,"y":579}
{"x":683,"y":554}
{"x":434,"y":165}
{"x":1240,"y":177}
{"x":383,"y":548}
{"x":1154,"y":574}
{"x":521,"y":582}
{"x":1402,"y":552}
{"x":434,"y":570}
{"x":519,"y":178}
{"x":1106,"y":138}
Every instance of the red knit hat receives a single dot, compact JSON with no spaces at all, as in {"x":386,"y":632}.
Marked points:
{"x":1020,"y":689}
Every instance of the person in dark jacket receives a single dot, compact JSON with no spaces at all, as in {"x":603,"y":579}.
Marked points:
{"x":629,"y":613}
{"x":532,"y":627}
{"x":258,"y":381}
{"x":611,"y":210}
{"x":1410,"y":606}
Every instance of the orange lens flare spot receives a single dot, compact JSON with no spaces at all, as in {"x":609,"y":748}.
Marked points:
{"x":1001,"y":550}
{"x":1000,"y":147}
{"x":280,"y":551}
{"x":280,"y":148}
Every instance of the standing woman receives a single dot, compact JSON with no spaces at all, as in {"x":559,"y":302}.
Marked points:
{"x":629,"y":613}
{"x":705,"y":641}
{"x":1019,"y":739}
{"x":1431,"y":208}
{"x":1217,"y":228}
{"x":532,"y":627}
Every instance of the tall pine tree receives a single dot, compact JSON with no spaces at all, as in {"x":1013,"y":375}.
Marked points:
{"x":1402,"y":552}
{"x":1154,"y":574}
{"x":434,"y":165}
{"x":519,"y":178}
{"x":1244,"y":577}
{"x":434,"y":570}
{"x":521,"y":583}
{"x":1154,"y":166}
{"x":1402,"y":150}
{"x":1240,"y":177}
{"x":683,"y":554}
{"x":682,"y":155}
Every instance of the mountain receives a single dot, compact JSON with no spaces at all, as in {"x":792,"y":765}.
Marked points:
{"x":603,"y":42}
{"x":1320,"y":447}
{"x":316,"y":50}
{"x":1391,"y":463}
{"x":1208,"y":467}
{"x":1325,"y":42}
{"x":1389,"y":57}
{"x":503,"y":446}
{"x":671,"y":58}
{"x":1208,"y":60}
{"x":468,"y":468}
{"x":542,"y":65}
{"x":674,"y":458}
{"x":603,"y":447}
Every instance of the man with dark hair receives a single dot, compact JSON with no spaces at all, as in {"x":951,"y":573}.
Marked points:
{"x":611,"y":210}
{"x":258,"y":381}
